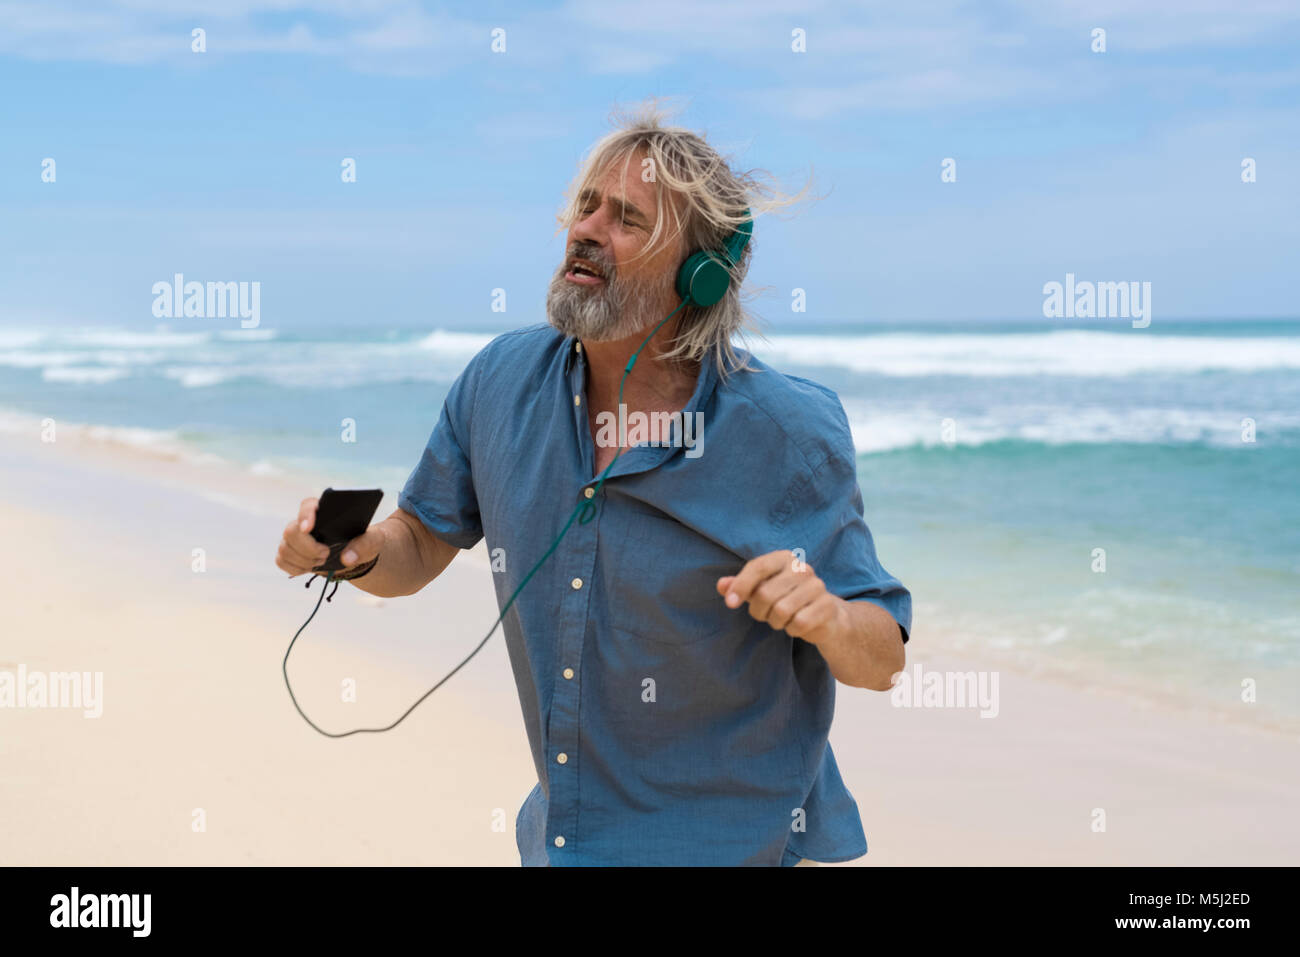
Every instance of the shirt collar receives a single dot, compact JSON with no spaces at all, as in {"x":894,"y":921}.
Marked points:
{"x":573,"y":349}
{"x":704,"y":385}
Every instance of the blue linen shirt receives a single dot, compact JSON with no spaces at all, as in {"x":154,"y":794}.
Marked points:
{"x":666,"y":728}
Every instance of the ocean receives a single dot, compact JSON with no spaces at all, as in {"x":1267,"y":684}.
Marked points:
{"x":1116,"y":506}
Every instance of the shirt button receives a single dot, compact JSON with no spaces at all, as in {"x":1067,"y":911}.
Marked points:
{"x":559,"y":840}
{"x":568,"y":673}
{"x":577,"y":583}
{"x":589,"y":491}
{"x":577,"y":400}
{"x":561,"y":758}
{"x":577,"y":347}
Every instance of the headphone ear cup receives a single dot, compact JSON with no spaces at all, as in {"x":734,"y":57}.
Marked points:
{"x":703,"y":279}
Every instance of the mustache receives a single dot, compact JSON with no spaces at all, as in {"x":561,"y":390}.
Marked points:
{"x":593,"y":254}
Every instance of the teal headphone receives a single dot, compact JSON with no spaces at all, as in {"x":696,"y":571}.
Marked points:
{"x":702,"y":281}
{"x":705,"y":277}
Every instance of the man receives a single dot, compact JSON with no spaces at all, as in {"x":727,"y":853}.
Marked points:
{"x":676,"y":655}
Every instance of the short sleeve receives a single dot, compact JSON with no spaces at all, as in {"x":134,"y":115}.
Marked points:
{"x":825,"y":517}
{"x":440,"y":491}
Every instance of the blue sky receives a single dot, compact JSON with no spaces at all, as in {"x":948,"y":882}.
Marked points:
{"x":1123,"y":165}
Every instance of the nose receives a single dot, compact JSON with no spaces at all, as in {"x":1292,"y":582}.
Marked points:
{"x":592,"y":229}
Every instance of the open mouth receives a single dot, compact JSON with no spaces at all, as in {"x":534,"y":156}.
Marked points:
{"x":584,"y":273}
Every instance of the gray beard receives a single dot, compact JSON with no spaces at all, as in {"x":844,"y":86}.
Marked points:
{"x":619,"y":309}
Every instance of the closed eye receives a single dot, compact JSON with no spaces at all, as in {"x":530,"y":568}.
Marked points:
{"x":628,"y":221}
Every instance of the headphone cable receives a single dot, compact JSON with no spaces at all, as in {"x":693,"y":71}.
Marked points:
{"x":587,"y":508}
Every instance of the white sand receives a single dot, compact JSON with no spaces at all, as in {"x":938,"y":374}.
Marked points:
{"x":97,"y":569}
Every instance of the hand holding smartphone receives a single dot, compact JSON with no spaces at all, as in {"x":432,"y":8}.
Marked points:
{"x":343,"y":514}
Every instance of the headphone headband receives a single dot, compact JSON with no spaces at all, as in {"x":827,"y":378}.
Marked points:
{"x":737,"y":241}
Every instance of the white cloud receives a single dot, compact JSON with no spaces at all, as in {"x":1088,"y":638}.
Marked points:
{"x":924,"y":54}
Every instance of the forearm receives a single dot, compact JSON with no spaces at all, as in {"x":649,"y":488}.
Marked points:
{"x":409,"y":558}
{"x":865,"y":650}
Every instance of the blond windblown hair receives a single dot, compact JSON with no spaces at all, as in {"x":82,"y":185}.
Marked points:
{"x":699,"y":202}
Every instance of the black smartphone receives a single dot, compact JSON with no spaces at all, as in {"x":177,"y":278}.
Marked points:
{"x":341,"y":515}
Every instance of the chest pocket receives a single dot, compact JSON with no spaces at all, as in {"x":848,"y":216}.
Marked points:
{"x":661,"y":577}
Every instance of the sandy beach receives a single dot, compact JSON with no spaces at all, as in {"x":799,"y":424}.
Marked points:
{"x":197,"y":729}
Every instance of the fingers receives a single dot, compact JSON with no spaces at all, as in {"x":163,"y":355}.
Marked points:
{"x":298,"y":551}
{"x":293,"y":562}
{"x":781,"y":592}
{"x":755,"y":572}
{"x":301,"y":544}
{"x":307,"y":514}
{"x":363,"y":547}
{"x":298,"y":533}
{"x":795,"y":601}
{"x":774,"y":589}
{"x":811,"y":621}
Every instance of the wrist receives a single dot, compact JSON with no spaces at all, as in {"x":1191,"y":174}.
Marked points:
{"x":356,"y":571}
{"x":840,"y":626}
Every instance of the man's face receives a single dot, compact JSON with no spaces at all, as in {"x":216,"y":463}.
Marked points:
{"x":603,"y":291}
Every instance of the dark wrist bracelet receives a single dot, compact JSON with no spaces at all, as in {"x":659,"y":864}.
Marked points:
{"x":333,"y":564}
{"x":356,"y":572}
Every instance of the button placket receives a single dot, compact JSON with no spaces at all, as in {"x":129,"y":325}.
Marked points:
{"x":577,"y":556}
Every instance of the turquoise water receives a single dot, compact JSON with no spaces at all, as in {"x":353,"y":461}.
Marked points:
{"x":994,"y":460}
